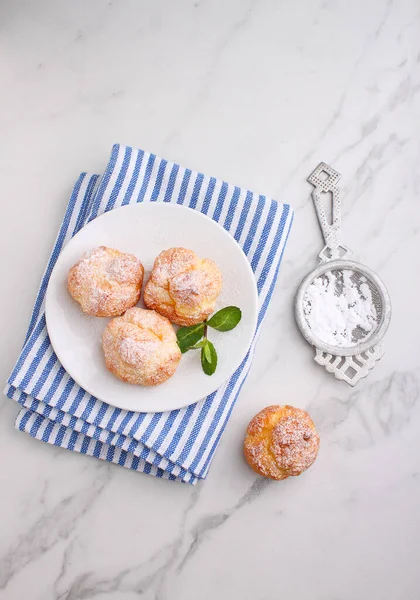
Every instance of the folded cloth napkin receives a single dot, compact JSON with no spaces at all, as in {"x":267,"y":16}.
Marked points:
{"x":174,"y":445}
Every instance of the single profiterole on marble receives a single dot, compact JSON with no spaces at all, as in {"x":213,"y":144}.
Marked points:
{"x":281,"y":441}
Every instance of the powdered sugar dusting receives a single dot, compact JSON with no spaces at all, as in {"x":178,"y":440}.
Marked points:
{"x":135,"y":352}
{"x":294,"y":444}
{"x":189,"y":288}
{"x":106,"y":282}
{"x":123,"y":268}
{"x":339,"y":308}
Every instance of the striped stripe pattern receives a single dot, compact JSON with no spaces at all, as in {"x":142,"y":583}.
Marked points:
{"x":174,"y":445}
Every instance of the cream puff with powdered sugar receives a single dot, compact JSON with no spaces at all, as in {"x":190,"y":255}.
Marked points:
{"x":183,"y":287}
{"x":106,"y":282}
{"x":141,"y":347}
{"x":281,"y":441}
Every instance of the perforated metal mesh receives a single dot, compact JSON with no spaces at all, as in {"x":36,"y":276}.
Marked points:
{"x":337,"y":278}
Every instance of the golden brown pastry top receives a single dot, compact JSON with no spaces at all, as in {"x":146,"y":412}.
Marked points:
{"x":281,"y":441}
{"x":140,"y":347}
{"x":105,"y":282}
{"x":183,"y":287}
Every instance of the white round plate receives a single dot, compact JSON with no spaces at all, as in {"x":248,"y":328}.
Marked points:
{"x":145,"y":230}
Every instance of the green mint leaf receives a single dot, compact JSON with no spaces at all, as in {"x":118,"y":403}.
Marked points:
{"x":199,"y":345}
{"x":208,"y":358}
{"x":188,"y":336}
{"x":225,"y":319}
{"x":207,"y":352}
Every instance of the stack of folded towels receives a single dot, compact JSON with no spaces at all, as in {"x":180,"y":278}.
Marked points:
{"x":174,"y":445}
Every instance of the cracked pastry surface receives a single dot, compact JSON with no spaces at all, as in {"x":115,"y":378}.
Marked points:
{"x":281,"y":441}
{"x":106,"y":282}
{"x":183,"y":287}
{"x":140,"y":347}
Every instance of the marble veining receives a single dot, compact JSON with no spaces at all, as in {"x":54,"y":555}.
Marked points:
{"x":257,"y":92}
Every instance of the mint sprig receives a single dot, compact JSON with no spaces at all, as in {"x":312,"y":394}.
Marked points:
{"x":188,"y":336}
{"x":195,"y":336}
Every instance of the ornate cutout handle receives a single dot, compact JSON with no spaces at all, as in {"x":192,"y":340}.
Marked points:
{"x":325,"y":179}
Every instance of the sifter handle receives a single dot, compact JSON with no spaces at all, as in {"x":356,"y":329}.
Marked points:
{"x":325,"y":179}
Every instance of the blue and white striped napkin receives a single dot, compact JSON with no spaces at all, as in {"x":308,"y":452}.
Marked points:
{"x":174,"y":445}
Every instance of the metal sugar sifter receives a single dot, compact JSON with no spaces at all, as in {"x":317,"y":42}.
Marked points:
{"x":342,"y":308}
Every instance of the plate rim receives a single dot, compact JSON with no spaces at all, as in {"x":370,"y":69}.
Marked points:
{"x":136,"y":206}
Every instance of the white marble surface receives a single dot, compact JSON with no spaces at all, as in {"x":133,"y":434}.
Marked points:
{"x":256,"y":92}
